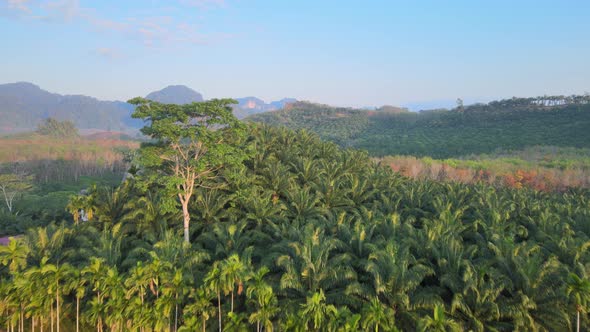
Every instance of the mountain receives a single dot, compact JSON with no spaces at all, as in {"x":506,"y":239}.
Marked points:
{"x":251,"y":105}
{"x":509,"y":125}
{"x":175,"y":94}
{"x":23,"y":105}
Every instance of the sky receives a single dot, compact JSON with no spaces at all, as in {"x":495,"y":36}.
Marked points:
{"x":346,"y":52}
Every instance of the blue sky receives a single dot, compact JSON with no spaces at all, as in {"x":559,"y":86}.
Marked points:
{"x":354,"y":53}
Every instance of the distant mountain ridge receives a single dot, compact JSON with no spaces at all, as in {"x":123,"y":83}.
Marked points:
{"x":251,"y":105}
{"x":23,"y":105}
{"x":175,"y":94}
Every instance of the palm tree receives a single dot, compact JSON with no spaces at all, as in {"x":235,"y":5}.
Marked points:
{"x":137,"y":284}
{"x":110,"y":244}
{"x":201,"y":307}
{"x":267,"y":308}
{"x":345,"y":321}
{"x":313,"y":263}
{"x":375,"y":314}
{"x":111,"y":204}
{"x":96,"y":273}
{"x":263,"y":297}
{"x":80,"y":207}
{"x":316,"y":311}
{"x":234,"y":272}
{"x":146,"y":217}
{"x":579,"y":289}
{"x":438,"y":322}
{"x":535,"y":280}
{"x":14,"y":255}
{"x":77,"y":284}
{"x":214,"y":282}
{"x":228,"y":238}
{"x":174,"y":289}
{"x":479,"y":301}
{"x":52,"y":277}
{"x":395,"y":277}
{"x":48,"y":243}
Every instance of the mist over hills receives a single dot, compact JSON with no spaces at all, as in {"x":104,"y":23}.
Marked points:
{"x":23,"y":105}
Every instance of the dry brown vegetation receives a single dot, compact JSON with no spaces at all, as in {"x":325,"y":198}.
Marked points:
{"x":53,"y":159}
{"x":501,"y":173}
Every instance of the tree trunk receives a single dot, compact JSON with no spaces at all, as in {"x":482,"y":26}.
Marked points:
{"x":232,"y":301}
{"x":186,"y":219}
{"x":57,"y":303}
{"x":219,"y":309}
{"x":578,"y":322}
{"x":77,"y":314}
{"x":176,"y":315}
{"x":51,"y":316}
{"x":204,"y":326}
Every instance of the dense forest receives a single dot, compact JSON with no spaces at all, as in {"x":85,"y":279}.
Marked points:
{"x":511,"y":124}
{"x":304,"y":235}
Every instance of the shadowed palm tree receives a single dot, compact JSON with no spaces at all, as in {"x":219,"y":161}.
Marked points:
{"x":199,"y":308}
{"x":313,"y":263}
{"x":438,"y":322}
{"x":214,"y":282}
{"x":578,"y":289}
{"x":396,"y":275}
{"x":264,"y":299}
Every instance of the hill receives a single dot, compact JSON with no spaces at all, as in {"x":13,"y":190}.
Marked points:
{"x":483,"y":128}
{"x":175,"y":94}
{"x":24,"y":105}
{"x":251,"y":105}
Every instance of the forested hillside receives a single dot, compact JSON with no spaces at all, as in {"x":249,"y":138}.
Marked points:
{"x":306,"y":236}
{"x":483,"y":128}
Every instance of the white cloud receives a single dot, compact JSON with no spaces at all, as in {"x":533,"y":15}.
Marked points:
{"x":150,"y":31}
{"x":20,"y":5}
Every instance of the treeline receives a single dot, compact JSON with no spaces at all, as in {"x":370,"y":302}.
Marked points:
{"x":306,"y":236}
{"x":533,"y":103}
{"x":54,"y":128}
{"x":505,"y":125}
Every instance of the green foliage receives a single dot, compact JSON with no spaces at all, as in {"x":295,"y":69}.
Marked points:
{"x":478,"y":129}
{"x":335,"y":243}
{"x":12,"y":187}
{"x":58,"y":129}
{"x":190,"y":143}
